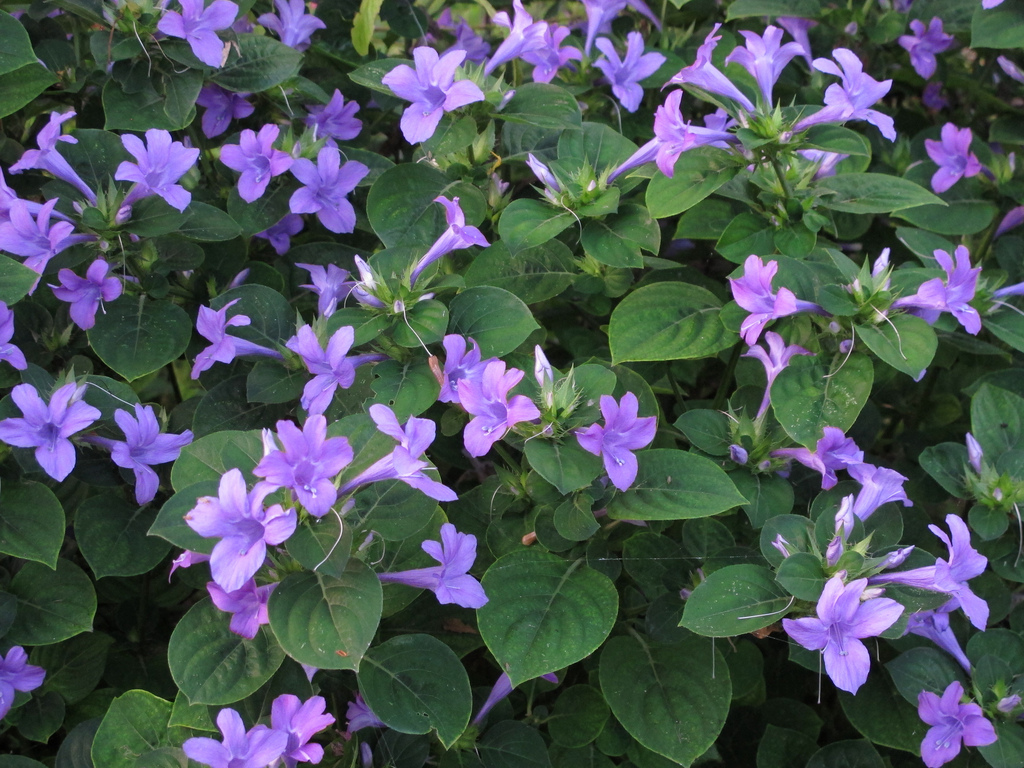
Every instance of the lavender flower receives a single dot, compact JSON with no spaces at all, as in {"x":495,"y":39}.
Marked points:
{"x":213,"y":326}
{"x":280,"y":235}
{"x":1013,"y":219}
{"x":49,"y":427}
{"x":143,"y":447}
{"x":300,"y":720}
{"x":625,"y":74}
{"x":833,"y":451}
{"x":879,"y":486}
{"x":953,"y":296}
{"x":775,"y":360}
{"x":359,"y":716}
{"x":974,"y":453}
{"x":258,"y":748}
{"x":198,"y":26}
{"x":934,"y":625}
{"x":36,"y":240}
{"x":953,"y":156}
{"x":764,"y":58}
{"x":432,"y":89}
{"x":221,"y":107}
{"x":600,"y":14}
{"x":952,"y":724}
{"x":753,"y":292}
{"x":932,"y":96}
{"x":365,"y":289}
{"x":256,"y":159}
{"x":187,"y":559}
{"x":331,"y":285}
{"x":85,"y":293}
{"x":924,"y":44}
{"x":48,"y":159}
{"x":621,"y":434}
{"x":525,"y":35}
{"x":551,"y":57}
{"x":466,"y":39}
{"x":843,"y":621}
{"x":798,"y":29}
{"x":335,"y":121}
{"x":456,"y":237}
{"x":330,"y":368}
{"x":552,"y":187}
{"x":451,"y":583}
{"x":8,"y":352}
{"x":704,"y":75}
{"x":493,"y":412}
{"x":325,"y":186}
{"x":244,"y":527}
{"x":292,"y":24}
{"x":1010,"y":68}
{"x":459,"y":364}
{"x":500,"y":690}
{"x":852,"y":99}
{"x":16,"y":674}
{"x":247,"y":604}
{"x":159,"y":163}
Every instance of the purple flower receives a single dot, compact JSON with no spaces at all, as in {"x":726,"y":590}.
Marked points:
{"x":600,"y":14}
{"x":621,"y":434}
{"x":798,"y":29}
{"x":292,"y":24}
{"x":335,"y":121}
{"x":258,"y":748}
{"x":501,"y":689}
{"x":48,"y":427}
{"x":143,"y":447}
{"x":256,"y":159}
{"x":16,"y":674}
{"x":852,"y":99}
{"x":990,"y":4}
{"x":280,"y":235}
{"x":308,"y":464}
{"x":8,"y":352}
{"x":753,"y":292}
{"x":833,"y":451}
{"x":325,"y":186}
{"x":330,"y":368}
{"x":879,"y":486}
{"x":953,"y":296}
{"x":827,"y":161}
{"x":974,"y":453}
{"x":493,"y":412}
{"x":1010,"y":68}
{"x":842,"y":622}
{"x":932,"y":96}
{"x":213,"y":325}
{"x":365,"y":289}
{"x":450,"y":582}
{"x":247,"y":604}
{"x":300,"y":720}
{"x":924,"y":44}
{"x":186,"y":560}
{"x":160,"y":162}
{"x":704,"y":75}
{"x":198,"y":26}
{"x":953,"y":156}
{"x":764,"y":58}
{"x":524,"y":35}
{"x":551,"y":57}
{"x":775,"y":361}
{"x":359,"y":716}
{"x":244,"y":527}
{"x":35,"y":239}
{"x":456,"y":237}
{"x":934,"y":625}
{"x":459,"y":364}
{"x":625,"y":74}
{"x":85,"y":293}
{"x":1013,"y":219}
{"x":47,"y":158}
{"x":221,"y":107}
{"x":331,"y":285}
{"x":432,"y":89}
{"x":466,"y":39}
{"x":952,"y":724}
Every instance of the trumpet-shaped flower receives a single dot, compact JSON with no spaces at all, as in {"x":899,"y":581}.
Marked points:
{"x":706,"y":76}
{"x":524,"y":35}
{"x":551,"y":57}
{"x":455,"y":237}
{"x":159,"y":163}
{"x":330,"y":284}
{"x":798,"y":29}
{"x":8,"y":352}
{"x":247,"y":606}
{"x":213,"y":326}
{"x":953,"y":156}
{"x":626,"y":73}
{"x":36,"y":239}
{"x":85,"y":293}
{"x":48,"y":159}
{"x":934,"y":625}
{"x":621,"y":434}
{"x":144,"y":447}
{"x":16,"y":674}
{"x":764,"y":58}
{"x":300,"y":720}
{"x":220,"y":108}
{"x":952,"y":724}
{"x":924,"y":44}
{"x":600,"y":14}
{"x":326,"y":185}
{"x":493,"y":412}
{"x":833,"y":451}
{"x":280,"y":235}
{"x":256,"y":159}
{"x":292,"y":24}
{"x":450,"y":582}
{"x":336,"y":120}
{"x":753,"y":291}
{"x":259,"y":747}
{"x":460,"y":363}
{"x":878,"y":486}
{"x":199,"y":26}
{"x":775,"y":360}
{"x":331,"y":368}
{"x":359,"y":716}
{"x":851,"y":99}
{"x":952,"y":295}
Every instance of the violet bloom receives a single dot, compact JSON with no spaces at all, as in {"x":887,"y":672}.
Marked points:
{"x":432,"y":89}
{"x":308,"y":464}
{"x":524,"y":35}
{"x":331,"y":285}
{"x":625,"y":74}
{"x":300,"y":720}
{"x":501,"y":689}
{"x":256,"y":159}
{"x":879,"y":486}
{"x":325,"y":186}
{"x":476,"y":48}
{"x":330,"y":368}
{"x":932,"y":96}
{"x":49,"y":427}
{"x":365,"y":289}
{"x":1013,"y":219}
{"x":851,"y":100}
{"x":160,"y":162}
{"x":753,"y":291}
{"x":450,"y":582}
{"x":460,"y":364}
{"x":48,"y":159}
{"x":934,"y":625}
{"x":924,"y":44}
{"x":280,"y":235}
{"x":335,"y":121}
{"x":456,"y":237}
{"x":85,"y":293}
{"x":600,"y":14}
{"x":551,"y":57}
{"x":258,"y":748}
{"x":552,"y":187}
{"x":144,"y":447}
{"x":1010,"y":68}
{"x":798,"y":29}
{"x":247,"y":606}
{"x":952,"y":295}
{"x":221,"y":107}
{"x":487,"y":401}
{"x":764,"y":58}
{"x":187,"y":559}
{"x":952,"y":724}
{"x":292,"y":24}
{"x":8,"y":352}
{"x":16,"y":674}
{"x":213,"y":325}
{"x":36,"y":239}
{"x":359,"y":716}
{"x":198,"y":26}
{"x":775,"y":360}
{"x":704,"y":75}
{"x":833,"y":451}
{"x":843,"y":621}
{"x":244,"y":527}
{"x":953,"y":156}
{"x":621,"y":434}
{"x":974,"y":453}
{"x":990,"y":4}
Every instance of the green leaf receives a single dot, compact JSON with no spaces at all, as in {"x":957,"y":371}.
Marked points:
{"x":322,"y":545}
{"x":1008,"y":326}
{"x":263,"y":63}
{"x":564,"y":464}
{"x":407,"y":388}
{"x":153,"y":217}
{"x":113,"y":536}
{"x":801,"y":574}
{"x":882,"y":716}
{"x":16,"y":280}
{"x":672,"y":699}
{"x":767,"y":495}
{"x":394,"y":510}
{"x":847,"y":754}
{"x":807,"y":396}
{"x":260,"y":214}
{"x":31,"y":522}
{"x":675,"y":485}
{"x":415,"y":684}
{"x":273,"y":318}
{"x":511,"y":744}
{"x":363,"y":24}
{"x":427,"y":318}
{"x":596,"y":145}
{"x":707,"y":430}
{"x":1000,"y":27}
{"x":532,"y":274}
{"x":907,"y":343}
{"x":959,"y":217}
{"x":807,"y":9}
{"x":495,"y":318}
{"x":17,"y":50}
{"x":371,"y":74}
{"x":746,"y":234}
{"x":698,"y":172}
{"x":136,"y":109}
{"x":53,"y":605}
{"x":836,"y":138}
{"x":135,"y":726}
{"x":1008,"y":750}
{"x":40,"y":718}
{"x":209,"y":457}
{"x":923,"y":669}
{"x":22,"y":86}
{"x":528,"y":223}
{"x":225,"y":408}
{"x":667,"y":321}
{"x":997,"y":421}
{"x":872,"y":193}
{"x":544,"y":613}
{"x":735,"y":600}
{"x":947,"y":465}
{"x":543,"y":106}
{"x":324,"y":621}
{"x":74,"y":667}
{"x":618,"y":239}
{"x":213,"y":665}
{"x":578,"y":717}
{"x":136,"y":337}
{"x":783,"y":748}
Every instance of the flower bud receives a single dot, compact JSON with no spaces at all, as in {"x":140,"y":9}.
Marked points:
{"x":974,"y":453}
{"x":1008,"y":703}
{"x":738,"y":453}
{"x":781,"y":545}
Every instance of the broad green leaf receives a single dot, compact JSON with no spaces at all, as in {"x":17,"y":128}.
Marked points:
{"x":213,"y":665}
{"x":767,"y":495}
{"x":31,"y":522}
{"x":415,"y":684}
{"x":698,"y":172}
{"x":133,"y":728}
{"x":907,"y":343}
{"x":211,"y":456}
{"x":959,"y":217}
{"x":543,"y":106}
{"x":41,"y":716}
{"x":263,"y":63}
{"x":407,"y":388}
{"x":136,"y":109}
{"x":152,"y":217}
{"x":225,"y":407}
{"x":735,"y":600}
{"x":511,"y":744}
{"x":673,"y":699}
{"x":322,"y":545}
{"x":999,"y":27}
{"x":393,"y":510}
{"x":853,"y":753}
{"x":1008,"y":326}
{"x":783,"y":747}
{"x":260,"y":214}
{"x":74,"y":667}
{"x":618,"y":239}
{"x":578,"y":717}
{"x":16,"y":280}
{"x":706,"y":430}
{"x":947,"y":465}
{"x":324,"y":621}
{"x":675,"y":485}
{"x":428,"y":319}
{"x":1008,"y":750}
{"x":563,"y":463}
{"x":53,"y":605}
{"x":667,"y":321}
{"x":807,"y":9}
{"x":136,"y":336}
{"x":273,"y":318}
{"x":363,"y":24}
{"x":496,"y":319}
{"x":882,"y":716}
{"x":997,"y":421}
{"x":113,"y":536}
{"x":22,"y":86}
{"x":528,"y":223}
{"x":802,"y":575}
{"x":924,"y":669}
{"x":872,"y":193}
{"x":597,"y":145}
{"x":747,"y":233}
{"x":836,"y":138}
{"x":170,"y":521}
{"x":371,"y":74}
{"x":544,"y":613}
{"x":17,"y":50}
{"x":532,"y":274}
